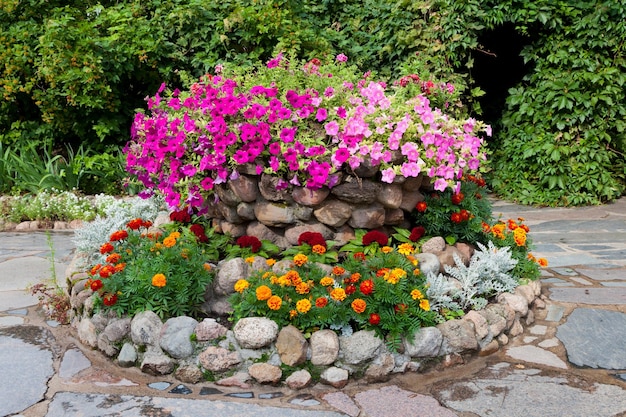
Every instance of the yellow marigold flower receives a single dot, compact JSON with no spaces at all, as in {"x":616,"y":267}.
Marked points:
{"x":543,"y":262}
{"x":406,"y":249}
{"x":417,"y":294}
{"x":274,"y":279}
{"x":159,"y":280}
{"x":292,"y":314}
{"x":274,"y":302}
{"x":303,"y":306}
{"x":300,"y":259}
{"x":283,"y":281}
{"x":338,"y":270}
{"x":394,"y":275}
{"x":386,"y":249}
{"x":425,"y":304}
{"x":267,"y":275}
{"x":358,"y":305}
{"x":338,"y":294}
{"x":414,"y":261}
{"x":319,"y":249}
{"x":263,"y":292}
{"x":519,"y":235}
{"x":159,"y":246}
{"x":498,"y":230}
{"x":327,"y":281}
{"x":270,"y":262}
{"x":241,"y":285}
{"x":207,"y":266}
{"x":302,"y":288}
{"x":174,"y":235}
{"x":249,"y":259}
{"x":169,"y":241}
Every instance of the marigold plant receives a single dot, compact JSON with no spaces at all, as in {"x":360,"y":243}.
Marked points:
{"x":160,"y":270}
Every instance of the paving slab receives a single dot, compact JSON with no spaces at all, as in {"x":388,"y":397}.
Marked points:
{"x":23,"y":381}
{"x":71,"y":404}
{"x":510,"y":392}
{"x":594,"y":338}
{"x":603,"y":274}
{"x":533,"y":354}
{"x":599,"y":296}
{"x":392,"y":401}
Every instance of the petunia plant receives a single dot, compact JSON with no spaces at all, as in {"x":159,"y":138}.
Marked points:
{"x":383,"y":291}
{"x":305,"y":123}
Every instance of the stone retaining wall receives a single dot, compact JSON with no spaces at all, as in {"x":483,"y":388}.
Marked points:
{"x":256,"y":205}
{"x":256,"y":349}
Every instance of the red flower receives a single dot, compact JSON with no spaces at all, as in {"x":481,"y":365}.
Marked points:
{"x":417,"y":233}
{"x":374,"y":319}
{"x":251,"y":242}
{"x":350,"y":289}
{"x":109,"y":300}
{"x":421,"y":206}
{"x":118,"y":235}
{"x":96,"y":285}
{"x":107,"y":271}
{"x":375,"y":236}
{"x":312,"y":239}
{"x":106,"y":248}
{"x":321,"y":302}
{"x":457,"y":198}
{"x":456,"y":217}
{"x":400,"y":308}
{"x":367,"y":287}
{"x":181,"y":216}
{"x":465,"y":215}
{"x":359,"y":256}
{"x":198,"y":230}
{"x":135,"y":224}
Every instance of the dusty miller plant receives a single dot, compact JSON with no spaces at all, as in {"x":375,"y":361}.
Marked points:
{"x":117,"y":212}
{"x":488,"y":273}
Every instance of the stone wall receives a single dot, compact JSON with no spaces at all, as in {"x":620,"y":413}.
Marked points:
{"x":255,"y":205}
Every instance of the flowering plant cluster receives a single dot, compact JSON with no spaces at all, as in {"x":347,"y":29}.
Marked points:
{"x":302,"y":123}
{"x":514,"y":235}
{"x":383,"y":291}
{"x":166,"y":271}
{"x":456,"y":215}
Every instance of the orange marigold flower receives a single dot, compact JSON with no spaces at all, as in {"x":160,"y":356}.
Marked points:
{"x":519,"y":235}
{"x":543,"y":262}
{"x":302,"y":288}
{"x":382,"y":272}
{"x":327,"y":281}
{"x":416,"y":294}
{"x":106,"y":248}
{"x":416,"y":271}
{"x":338,"y":270}
{"x":270,"y":262}
{"x":511,"y":224}
{"x":486,"y":227}
{"x":358,"y":305}
{"x":355,"y":277}
{"x":107,"y":271}
{"x":300,"y":259}
{"x":120,"y":267}
{"x":241,"y":285}
{"x":292,"y":314}
{"x":386,"y":249}
{"x":293,"y":277}
{"x":498,"y":230}
{"x":113,"y":258}
{"x":94,"y":270}
{"x":321,"y":302}
{"x":169,"y":241}
{"x":425,"y":304}
{"x":319,"y":249}
{"x":207,"y":266}
{"x":359,"y":256}
{"x":263,"y":293}
{"x":175,"y":235}
{"x":526,"y":228}
{"x":274,"y":302}
{"x":249,"y":260}
{"x":367,"y":287}
{"x":159,"y":280}
{"x":303,"y":306}
{"x":338,"y":294}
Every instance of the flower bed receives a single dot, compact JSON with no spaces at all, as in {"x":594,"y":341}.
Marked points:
{"x":320,"y":210}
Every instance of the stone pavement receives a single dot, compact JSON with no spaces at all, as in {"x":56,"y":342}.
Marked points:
{"x":569,"y":361}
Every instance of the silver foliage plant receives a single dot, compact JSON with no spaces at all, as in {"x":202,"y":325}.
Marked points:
{"x":117,"y":212}
{"x":488,"y":273}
